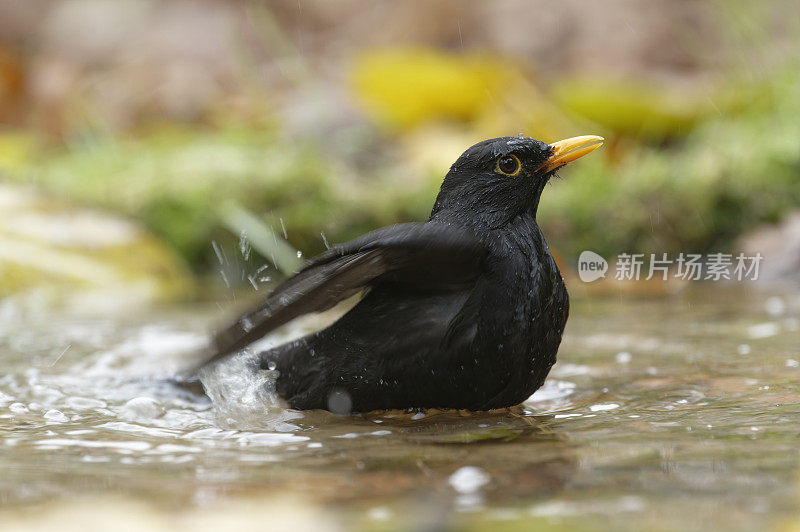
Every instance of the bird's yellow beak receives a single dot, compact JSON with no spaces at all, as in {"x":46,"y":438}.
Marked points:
{"x":567,"y":150}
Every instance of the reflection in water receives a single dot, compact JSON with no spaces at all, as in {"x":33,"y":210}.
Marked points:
{"x":656,"y":412}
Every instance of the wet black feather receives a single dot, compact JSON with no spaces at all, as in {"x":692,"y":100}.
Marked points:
{"x":463,"y":311}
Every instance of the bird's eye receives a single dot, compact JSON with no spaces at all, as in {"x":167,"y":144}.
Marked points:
{"x":509,"y":165}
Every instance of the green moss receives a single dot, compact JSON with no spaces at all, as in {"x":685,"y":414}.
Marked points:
{"x":177,"y":183}
{"x":728,"y":172}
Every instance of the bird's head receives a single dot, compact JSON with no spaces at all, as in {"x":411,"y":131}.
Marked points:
{"x":498,"y":179}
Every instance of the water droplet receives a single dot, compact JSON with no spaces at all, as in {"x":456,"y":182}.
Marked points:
{"x":623,"y":357}
{"x":469,"y":479}
{"x":56,"y":416}
{"x":744,"y":349}
{"x":763,"y":330}
{"x":244,"y":245}
{"x":775,"y":306}
{"x":217,"y":251}
{"x":339,"y":402}
{"x":380,"y":513}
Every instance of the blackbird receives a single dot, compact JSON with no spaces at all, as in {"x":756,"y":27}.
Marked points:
{"x":463,"y":311}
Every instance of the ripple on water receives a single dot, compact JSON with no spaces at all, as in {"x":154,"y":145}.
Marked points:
{"x":643,"y":405}
{"x":107,"y":407}
{"x":119,"y":446}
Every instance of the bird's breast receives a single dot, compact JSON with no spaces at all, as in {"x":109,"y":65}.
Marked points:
{"x":523,"y":313}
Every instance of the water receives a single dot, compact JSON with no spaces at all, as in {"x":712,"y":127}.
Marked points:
{"x":666,"y":413}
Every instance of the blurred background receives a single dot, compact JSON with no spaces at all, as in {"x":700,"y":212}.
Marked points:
{"x":156,"y":145}
{"x":159,"y":152}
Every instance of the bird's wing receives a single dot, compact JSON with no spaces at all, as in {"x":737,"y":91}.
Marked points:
{"x":426,"y":255}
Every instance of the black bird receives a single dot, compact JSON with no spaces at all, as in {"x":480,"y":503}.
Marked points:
{"x":463,"y":311}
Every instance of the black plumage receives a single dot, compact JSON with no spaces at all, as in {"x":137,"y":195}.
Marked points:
{"x":464,"y":311}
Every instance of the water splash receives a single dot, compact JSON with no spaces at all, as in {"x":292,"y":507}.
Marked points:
{"x":244,"y":395}
{"x":244,"y":245}
{"x":218,"y":252}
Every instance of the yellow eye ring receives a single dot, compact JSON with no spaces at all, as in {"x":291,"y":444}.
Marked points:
{"x":509,"y":165}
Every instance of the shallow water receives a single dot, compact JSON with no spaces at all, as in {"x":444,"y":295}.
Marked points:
{"x":665,"y":413}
